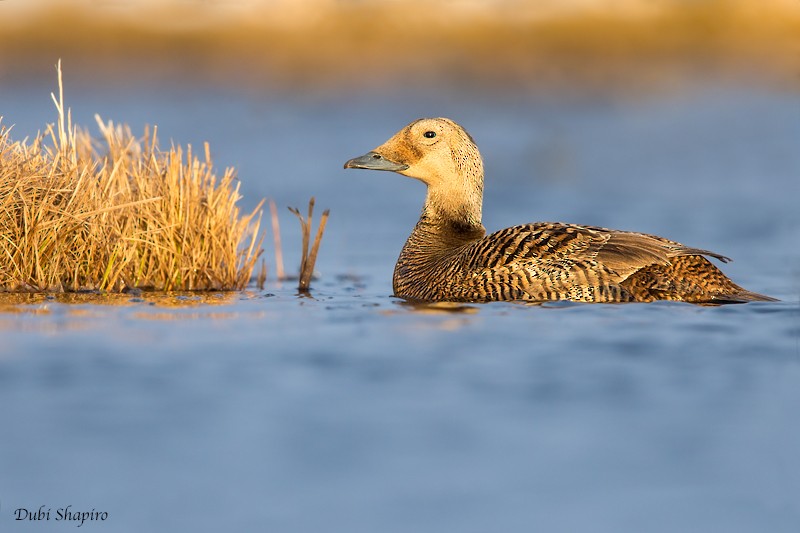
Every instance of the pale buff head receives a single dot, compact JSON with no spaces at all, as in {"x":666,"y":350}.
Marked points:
{"x":441,"y":154}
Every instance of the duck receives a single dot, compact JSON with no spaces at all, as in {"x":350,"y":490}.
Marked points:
{"x":449,"y":257}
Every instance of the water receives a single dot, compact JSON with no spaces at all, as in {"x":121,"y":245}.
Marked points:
{"x":352,"y":411}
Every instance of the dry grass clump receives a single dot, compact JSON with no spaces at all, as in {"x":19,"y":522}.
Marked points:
{"x":78,"y":213}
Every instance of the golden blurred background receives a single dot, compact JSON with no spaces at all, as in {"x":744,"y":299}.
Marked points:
{"x":340,"y":45}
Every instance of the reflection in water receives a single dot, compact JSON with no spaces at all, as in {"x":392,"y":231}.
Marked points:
{"x":168,"y":316}
{"x":455,"y":315}
{"x":14,"y":302}
{"x":54,"y":313}
{"x":438,"y":308}
{"x":79,"y":311}
{"x":17,"y":309}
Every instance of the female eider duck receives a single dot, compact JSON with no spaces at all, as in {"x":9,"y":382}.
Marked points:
{"x":449,"y":258}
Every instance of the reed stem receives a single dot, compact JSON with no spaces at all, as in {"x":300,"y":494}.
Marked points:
{"x":309,"y":257}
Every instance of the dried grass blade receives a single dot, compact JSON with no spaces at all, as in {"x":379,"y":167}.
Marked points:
{"x":305,"y":279}
{"x":276,"y":235}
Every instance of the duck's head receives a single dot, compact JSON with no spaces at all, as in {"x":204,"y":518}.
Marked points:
{"x":440,"y":153}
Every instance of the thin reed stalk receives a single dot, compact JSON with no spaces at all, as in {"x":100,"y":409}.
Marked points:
{"x":309,"y":256}
{"x":280,"y":273}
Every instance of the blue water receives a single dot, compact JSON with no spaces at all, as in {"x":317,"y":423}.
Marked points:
{"x":352,"y":411}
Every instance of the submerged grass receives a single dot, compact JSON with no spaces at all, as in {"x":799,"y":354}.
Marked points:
{"x":78,"y":213}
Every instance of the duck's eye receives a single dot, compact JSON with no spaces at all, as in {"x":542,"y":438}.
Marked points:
{"x":430,"y":134}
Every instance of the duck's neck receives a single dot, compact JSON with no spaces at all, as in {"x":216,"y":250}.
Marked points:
{"x":429,"y":251}
{"x":456,"y":198}
{"x":451,"y":216}
{"x":449,"y":220}
{"x":453,"y":208}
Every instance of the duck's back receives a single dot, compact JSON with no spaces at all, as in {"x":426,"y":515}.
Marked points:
{"x":552,"y":261}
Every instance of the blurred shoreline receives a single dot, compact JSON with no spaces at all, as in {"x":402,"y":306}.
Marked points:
{"x":328,"y":46}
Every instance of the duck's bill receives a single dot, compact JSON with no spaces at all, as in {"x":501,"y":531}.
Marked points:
{"x":374,"y":161}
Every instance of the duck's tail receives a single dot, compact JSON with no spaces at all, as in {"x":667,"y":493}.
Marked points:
{"x":741,"y":297}
{"x":689,"y":278}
